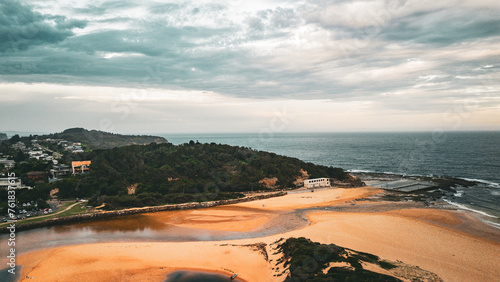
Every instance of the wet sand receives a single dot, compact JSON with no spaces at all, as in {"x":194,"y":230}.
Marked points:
{"x":228,"y":218}
{"x":436,"y":240}
{"x":406,"y":236}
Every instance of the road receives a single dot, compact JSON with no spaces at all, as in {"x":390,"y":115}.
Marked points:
{"x":51,"y":214}
{"x":46,"y":215}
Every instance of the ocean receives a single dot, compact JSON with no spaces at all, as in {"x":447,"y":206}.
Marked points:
{"x":468,"y":155}
{"x":471,"y":156}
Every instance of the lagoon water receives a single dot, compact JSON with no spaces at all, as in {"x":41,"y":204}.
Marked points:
{"x":467,"y":155}
{"x":6,"y":276}
{"x":197,"y":276}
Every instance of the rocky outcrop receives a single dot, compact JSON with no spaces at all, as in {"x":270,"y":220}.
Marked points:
{"x":299,"y":182}
{"x":351,"y":182}
{"x":131,"y":189}
{"x":269,"y":182}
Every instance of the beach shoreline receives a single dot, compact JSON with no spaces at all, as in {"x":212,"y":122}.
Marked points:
{"x":437,"y":234}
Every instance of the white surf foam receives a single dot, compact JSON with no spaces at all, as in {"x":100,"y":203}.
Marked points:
{"x":360,"y":171}
{"x":491,"y":223}
{"x":490,"y":183}
{"x":469,"y":209}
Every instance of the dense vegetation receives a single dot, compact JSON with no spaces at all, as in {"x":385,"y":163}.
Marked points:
{"x":307,"y":260}
{"x":103,"y":140}
{"x":164,"y":173}
{"x":14,"y":154}
{"x":194,"y":171}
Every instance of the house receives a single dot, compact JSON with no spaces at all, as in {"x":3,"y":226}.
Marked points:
{"x":38,"y":176}
{"x":12,"y":183}
{"x":80,"y":167}
{"x":19,"y":146}
{"x":317,"y":182}
{"x":8,"y":164}
{"x":63,"y":143}
{"x":35,"y":154}
{"x":59,"y":171}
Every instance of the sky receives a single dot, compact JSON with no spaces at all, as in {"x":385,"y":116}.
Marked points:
{"x":249,"y":66}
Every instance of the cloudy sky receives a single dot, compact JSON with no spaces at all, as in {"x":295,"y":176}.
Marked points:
{"x":249,"y":66}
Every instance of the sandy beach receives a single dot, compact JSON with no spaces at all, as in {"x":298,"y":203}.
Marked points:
{"x":445,"y":242}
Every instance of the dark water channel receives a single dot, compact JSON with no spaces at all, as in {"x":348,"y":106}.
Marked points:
{"x":197,"y":276}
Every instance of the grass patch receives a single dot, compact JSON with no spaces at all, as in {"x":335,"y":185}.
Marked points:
{"x":77,"y":209}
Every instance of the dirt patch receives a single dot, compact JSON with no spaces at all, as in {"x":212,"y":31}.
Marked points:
{"x":53,"y":192}
{"x":131,"y":189}
{"x":300,"y":179}
{"x":269,"y":182}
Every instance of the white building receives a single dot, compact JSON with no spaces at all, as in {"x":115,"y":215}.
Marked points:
{"x":317,"y":182}
{"x":14,"y":183}
{"x":8,"y":163}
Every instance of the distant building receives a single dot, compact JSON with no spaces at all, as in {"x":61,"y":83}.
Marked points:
{"x":8,"y":164}
{"x":38,"y":176}
{"x":80,"y":167}
{"x":59,"y":172}
{"x":19,"y":146}
{"x":63,"y":143}
{"x":14,"y":183}
{"x":49,"y":140}
{"x":317,"y":182}
{"x":35,"y":154}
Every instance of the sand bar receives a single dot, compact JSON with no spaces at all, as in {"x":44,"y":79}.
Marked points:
{"x":430,"y":239}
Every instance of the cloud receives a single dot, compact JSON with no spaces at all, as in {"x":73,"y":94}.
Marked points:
{"x":355,"y":14}
{"x":22,"y":28}
{"x":378,"y":55}
{"x":444,"y":27}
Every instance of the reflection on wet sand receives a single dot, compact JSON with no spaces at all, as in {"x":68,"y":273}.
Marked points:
{"x":193,"y":276}
{"x":229,"y":218}
{"x":212,"y":224}
{"x":129,"y":223}
{"x":240,"y":221}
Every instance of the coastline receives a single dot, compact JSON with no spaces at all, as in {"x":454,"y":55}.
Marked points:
{"x":139,"y":210}
{"x":437,"y":240}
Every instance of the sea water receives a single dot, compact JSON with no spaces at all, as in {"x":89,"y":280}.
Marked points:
{"x":468,"y":155}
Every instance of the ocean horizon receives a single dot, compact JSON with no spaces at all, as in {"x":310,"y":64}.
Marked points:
{"x":468,"y":155}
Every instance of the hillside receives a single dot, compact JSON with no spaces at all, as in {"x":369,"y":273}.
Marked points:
{"x":103,"y":140}
{"x":164,"y":173}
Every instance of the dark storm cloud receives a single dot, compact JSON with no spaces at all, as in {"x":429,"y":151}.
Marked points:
{"x":206,"y":46}
{"x":222,"y":64}
{"x":22,"y":28}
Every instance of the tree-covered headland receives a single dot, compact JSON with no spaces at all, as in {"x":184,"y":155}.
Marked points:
{"x":154,"y":174}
